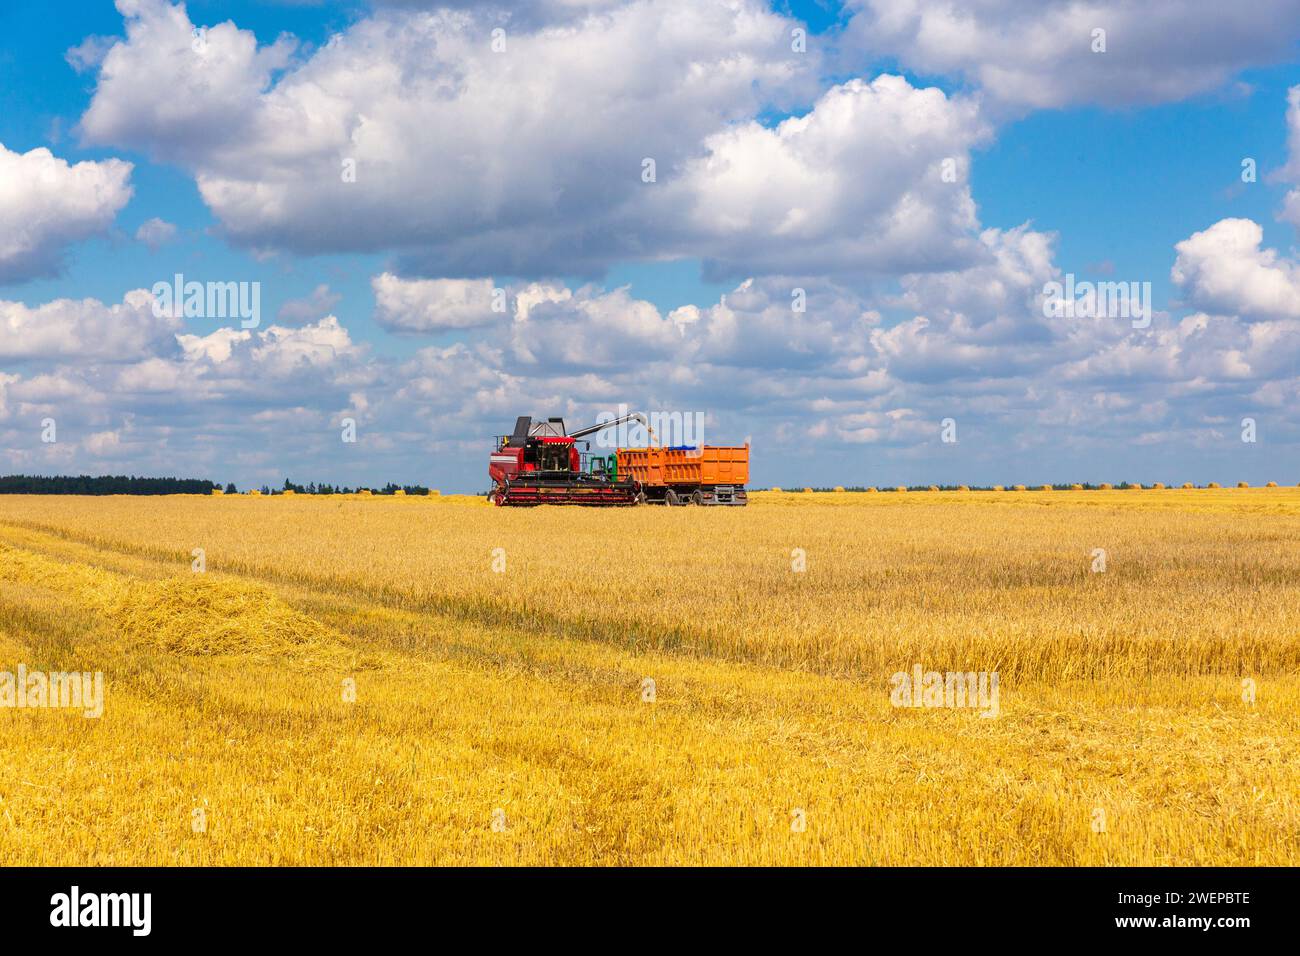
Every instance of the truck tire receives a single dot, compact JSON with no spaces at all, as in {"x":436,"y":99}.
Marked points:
{"x":697,"y":497}
{"x":671,"y":499}
{"x":640,"y":498}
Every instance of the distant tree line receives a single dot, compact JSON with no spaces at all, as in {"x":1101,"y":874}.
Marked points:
{"x":102,"y":485}
{"x":323,"y":489}
{"x":130,"y":485}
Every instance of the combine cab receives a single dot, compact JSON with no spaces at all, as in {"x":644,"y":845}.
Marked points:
{"x":540,"y":464}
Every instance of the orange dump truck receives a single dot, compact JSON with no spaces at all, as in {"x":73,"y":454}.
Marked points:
{"x":685,"y":475}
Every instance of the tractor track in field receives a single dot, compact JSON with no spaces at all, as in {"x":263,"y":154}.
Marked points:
{"x":422,"y":629}
{"x":632,"y":637}
{"x":1108,"y":652}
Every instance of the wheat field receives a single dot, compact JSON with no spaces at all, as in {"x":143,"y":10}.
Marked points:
{"x":358,"y":681}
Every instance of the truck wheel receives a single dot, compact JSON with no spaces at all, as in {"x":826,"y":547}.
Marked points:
{"x":639,"y":499}
{"x":671,"y":499}
{"x":697,"y":497}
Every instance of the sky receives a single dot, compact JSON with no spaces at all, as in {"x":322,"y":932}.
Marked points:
{"x":843,"y":233}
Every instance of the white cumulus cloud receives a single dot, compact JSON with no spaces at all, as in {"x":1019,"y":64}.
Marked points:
{"x":86,"y":329}
{"x":434,"y":305}
{"x":1225,"y":269}
{"x":1040,"y":53}
{"x":46,"y":204}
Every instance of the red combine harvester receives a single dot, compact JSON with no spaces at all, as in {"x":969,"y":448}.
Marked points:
{"x":540,"y":464}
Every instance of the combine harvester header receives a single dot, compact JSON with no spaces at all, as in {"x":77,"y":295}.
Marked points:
{"x":540,"y":463}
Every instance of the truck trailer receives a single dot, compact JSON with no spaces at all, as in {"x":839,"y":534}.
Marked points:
{"x":688,"y":475}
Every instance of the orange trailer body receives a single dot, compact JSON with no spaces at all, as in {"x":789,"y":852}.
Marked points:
{"x":710,"y":474}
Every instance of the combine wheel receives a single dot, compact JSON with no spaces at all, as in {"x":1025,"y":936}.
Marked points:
{"x":671,"y":499}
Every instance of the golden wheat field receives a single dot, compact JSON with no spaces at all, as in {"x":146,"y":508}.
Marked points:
{"x":436,"y":681}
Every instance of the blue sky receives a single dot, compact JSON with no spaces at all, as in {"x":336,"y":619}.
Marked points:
{"x":519,"y":171}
